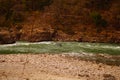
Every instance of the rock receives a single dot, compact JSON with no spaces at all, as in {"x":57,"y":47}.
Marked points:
{"x":41,"y":36}
{"x":6,"y":37}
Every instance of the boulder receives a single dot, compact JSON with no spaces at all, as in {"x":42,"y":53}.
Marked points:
{"x":6,"y":37}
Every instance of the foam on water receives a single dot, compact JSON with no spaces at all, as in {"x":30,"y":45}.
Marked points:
{"x":23,"y":43}
{"x":100,"y":46}
{"x":7,"y":45}
{"x":112,"y":47}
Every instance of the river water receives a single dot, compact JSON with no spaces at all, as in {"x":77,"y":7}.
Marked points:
{"x":60,"y":47}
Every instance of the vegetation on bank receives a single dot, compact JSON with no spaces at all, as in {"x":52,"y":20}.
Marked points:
{"x":83,"y":20}
{"x":65,"y":12}
{"x":13,"y":11}
{"x":60,"y":47}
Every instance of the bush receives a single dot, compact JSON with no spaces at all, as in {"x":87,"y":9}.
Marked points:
{"x":98,"y":4}
{"x":37,"y":4}
{"x":98,"y":20}
{"x":18,"y":17}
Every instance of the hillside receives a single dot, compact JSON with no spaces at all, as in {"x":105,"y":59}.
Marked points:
{"x":60,"y":20}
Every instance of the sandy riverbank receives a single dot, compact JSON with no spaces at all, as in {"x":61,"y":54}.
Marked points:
{"x":54,"y":67}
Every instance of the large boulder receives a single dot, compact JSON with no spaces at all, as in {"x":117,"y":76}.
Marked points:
{"x":6,"y":37}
